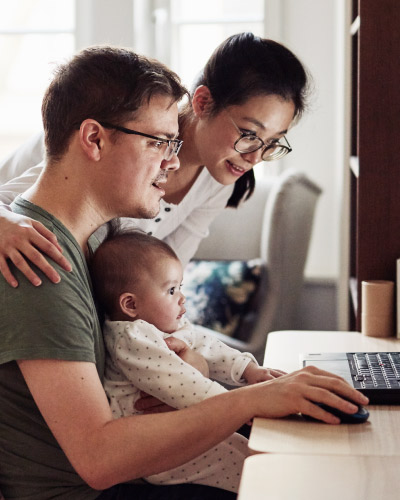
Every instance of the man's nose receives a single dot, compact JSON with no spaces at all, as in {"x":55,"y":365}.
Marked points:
{"x":172,"y":164}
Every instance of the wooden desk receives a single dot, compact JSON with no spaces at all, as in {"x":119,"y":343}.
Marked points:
{"x":308,"y":477}
{"x":379,"y":436}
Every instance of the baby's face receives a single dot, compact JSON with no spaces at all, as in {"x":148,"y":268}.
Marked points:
{"x":159,"y":300}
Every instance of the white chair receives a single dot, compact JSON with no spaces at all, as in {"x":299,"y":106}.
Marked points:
{"x":275,"y":225}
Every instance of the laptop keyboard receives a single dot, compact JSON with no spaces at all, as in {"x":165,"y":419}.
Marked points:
{"x":374,"y":370}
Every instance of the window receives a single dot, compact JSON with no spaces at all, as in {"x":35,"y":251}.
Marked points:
{"x":198,"y":27}
{"x":34,"y":36}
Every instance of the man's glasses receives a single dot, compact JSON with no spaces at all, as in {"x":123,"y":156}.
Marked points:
{"x":172,"y":146}
{"x":249,"y":142}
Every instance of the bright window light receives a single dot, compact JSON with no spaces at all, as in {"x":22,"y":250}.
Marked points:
{"x":198,"y":27}
{"x":35,"y":35}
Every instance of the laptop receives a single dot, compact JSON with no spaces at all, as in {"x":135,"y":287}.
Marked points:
{"x":375,"y":374}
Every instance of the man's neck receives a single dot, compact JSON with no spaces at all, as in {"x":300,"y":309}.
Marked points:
{"x":65,"y":194}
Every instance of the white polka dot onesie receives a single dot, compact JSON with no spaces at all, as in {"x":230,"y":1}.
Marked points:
{"x":139,"y":360}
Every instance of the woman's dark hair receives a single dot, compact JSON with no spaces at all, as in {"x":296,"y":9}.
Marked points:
{"x":245,"y":66}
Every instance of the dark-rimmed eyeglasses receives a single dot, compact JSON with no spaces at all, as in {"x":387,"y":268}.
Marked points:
{"x":172,"y":146}
{"x":249,"y":142}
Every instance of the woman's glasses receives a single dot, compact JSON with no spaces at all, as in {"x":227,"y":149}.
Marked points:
{"x":249,"y":142}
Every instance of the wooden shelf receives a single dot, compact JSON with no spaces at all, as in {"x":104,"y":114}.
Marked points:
{"x":375,"y":183}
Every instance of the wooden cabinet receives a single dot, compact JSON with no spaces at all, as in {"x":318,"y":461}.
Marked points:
{"x":375,"y":177}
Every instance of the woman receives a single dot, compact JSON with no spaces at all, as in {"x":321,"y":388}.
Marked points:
{"x":249,"y":94}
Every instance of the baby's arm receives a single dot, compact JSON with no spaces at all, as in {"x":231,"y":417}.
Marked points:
{"x":140,"y":353}
{"x":254,"y":373}
{"x":226,"y":364}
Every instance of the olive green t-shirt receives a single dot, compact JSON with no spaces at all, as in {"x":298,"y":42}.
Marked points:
{"x":52,"y":321}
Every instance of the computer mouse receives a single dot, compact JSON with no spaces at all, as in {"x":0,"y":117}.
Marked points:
{"x":359,"y":417}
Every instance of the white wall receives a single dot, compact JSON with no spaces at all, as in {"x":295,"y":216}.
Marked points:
{"x":100,"y":22}
{"x":313,"y":30}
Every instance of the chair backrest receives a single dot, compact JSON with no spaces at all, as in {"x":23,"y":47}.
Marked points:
{"x":236,"y":234}
{"x":274,"y":225}
{"x":287,"y":228}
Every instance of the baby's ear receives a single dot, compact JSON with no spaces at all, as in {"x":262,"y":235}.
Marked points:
{"x":127,"y":303}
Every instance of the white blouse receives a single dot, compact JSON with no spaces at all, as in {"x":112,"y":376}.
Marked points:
{"x":182,"y":226}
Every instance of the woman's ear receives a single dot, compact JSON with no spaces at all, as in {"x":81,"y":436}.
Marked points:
{"x":127,"y":304}
{"x":91,"y":137}
{"x":202,"y":101}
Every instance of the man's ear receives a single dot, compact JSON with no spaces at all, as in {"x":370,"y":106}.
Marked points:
{"x":202,"y":101}
{"x":91,"y":137}
{"x":127,"y":303}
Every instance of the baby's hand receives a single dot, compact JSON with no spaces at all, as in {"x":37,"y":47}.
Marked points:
{"x":188,"y":355}
{"x":254,"y":374}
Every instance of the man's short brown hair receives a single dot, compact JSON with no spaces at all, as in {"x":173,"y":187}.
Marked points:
{"x":103,"y":83}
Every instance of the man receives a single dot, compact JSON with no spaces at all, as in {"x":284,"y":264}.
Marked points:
{"x":57,"y":434}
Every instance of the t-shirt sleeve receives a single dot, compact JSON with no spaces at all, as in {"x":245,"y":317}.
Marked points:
{"x":52,"y":321}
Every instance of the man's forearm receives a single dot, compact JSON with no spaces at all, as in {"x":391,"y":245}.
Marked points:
{"x":106,"y":451}
{"x":159,"y":442}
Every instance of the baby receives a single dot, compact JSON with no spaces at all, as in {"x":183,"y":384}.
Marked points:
{"x":137,"y":281}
